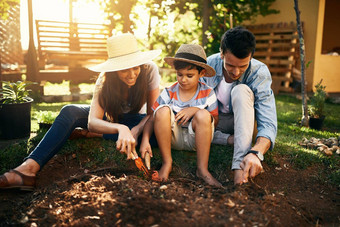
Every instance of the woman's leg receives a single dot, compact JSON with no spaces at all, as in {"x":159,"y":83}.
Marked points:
{"x":70,"y":117}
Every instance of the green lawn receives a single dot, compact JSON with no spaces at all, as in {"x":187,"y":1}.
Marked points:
{"x":99,"y":151}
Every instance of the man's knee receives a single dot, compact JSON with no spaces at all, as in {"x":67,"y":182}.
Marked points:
{"x":241,"y":92}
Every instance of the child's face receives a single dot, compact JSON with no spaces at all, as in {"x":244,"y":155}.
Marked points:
{"x":188,"y":78}
{"x":129,"y":76}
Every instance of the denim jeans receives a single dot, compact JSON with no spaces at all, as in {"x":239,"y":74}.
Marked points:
{"x":69,"y":118}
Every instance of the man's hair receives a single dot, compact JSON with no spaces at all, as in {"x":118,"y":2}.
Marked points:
{"x":239,"y":41}
{"x":178,"y":64}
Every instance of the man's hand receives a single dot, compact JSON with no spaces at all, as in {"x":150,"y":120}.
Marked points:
{"x":250,"y":167}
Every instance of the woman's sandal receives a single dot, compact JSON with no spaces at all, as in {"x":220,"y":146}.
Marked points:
{"x":78,"y":133}
{"x":27,"y":182}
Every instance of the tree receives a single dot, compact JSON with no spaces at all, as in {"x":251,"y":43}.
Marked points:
{"x":5,"y":5}
{"x":304,"y":120}
{"x":217,"y":13}
{"x":118,"y":12}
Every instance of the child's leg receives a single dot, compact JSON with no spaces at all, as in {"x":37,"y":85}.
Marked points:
{"x":202,"y":127}
{"x":162,"y":129}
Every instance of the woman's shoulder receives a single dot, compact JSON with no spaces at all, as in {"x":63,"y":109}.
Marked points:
{"x":151,"y":66}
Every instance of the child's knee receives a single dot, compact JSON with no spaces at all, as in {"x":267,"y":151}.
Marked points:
{"x":202,"y":116}
{"x":162,"y":112}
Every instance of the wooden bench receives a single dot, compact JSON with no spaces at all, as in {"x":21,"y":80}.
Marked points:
{"x":72,"y":44}
{"x":66,"y":48}
{"x":277,"y":45}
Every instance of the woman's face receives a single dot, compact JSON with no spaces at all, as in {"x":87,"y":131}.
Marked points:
{"x":129,"y":76}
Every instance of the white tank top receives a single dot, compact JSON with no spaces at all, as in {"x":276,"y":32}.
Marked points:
{"x":223,"y":95}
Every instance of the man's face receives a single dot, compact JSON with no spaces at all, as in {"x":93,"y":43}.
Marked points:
{"x":234,"y":67}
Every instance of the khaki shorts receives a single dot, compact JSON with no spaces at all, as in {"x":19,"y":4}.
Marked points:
{"x":183,"y":138}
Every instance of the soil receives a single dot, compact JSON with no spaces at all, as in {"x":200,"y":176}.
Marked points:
{"x":69,"y":195}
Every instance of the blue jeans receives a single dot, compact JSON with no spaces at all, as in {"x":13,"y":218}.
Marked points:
{"x":69,"y":118}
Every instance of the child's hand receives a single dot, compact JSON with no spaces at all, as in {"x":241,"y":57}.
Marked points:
{"x":146,"y":152}
{"x":183,"y":116}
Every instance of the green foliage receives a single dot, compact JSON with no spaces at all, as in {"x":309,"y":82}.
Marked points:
{"x":316,"y":109}
{"x":5,"y":5}
{"x":173,"y":23}
{"x":219,"y":12}
{"x":15,"y":92}
{"x":47,"y":117}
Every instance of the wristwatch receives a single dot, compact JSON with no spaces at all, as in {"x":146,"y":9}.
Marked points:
{"x":257,"y":153}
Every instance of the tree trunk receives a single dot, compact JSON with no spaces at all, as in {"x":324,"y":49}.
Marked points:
{"x":304,"y":120}
{"x":32,"y":62}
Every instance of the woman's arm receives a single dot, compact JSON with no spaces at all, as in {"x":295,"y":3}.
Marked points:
{"x":126,"y":142}
{"x":152,"y":96}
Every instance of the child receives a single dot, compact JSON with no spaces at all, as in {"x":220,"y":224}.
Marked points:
{"x":185,"y":113}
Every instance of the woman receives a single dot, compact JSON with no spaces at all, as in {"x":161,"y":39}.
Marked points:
{"x":125,"y":90}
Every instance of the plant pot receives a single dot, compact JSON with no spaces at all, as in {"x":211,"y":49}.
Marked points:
{"x":316,"y":123}
{"x":43,"y":125}
{"x":15,"y":120}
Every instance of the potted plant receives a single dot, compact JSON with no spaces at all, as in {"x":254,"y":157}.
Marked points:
{"x":46,"y":119}
{"x":316,"y":108}
{"x":15,"y":110}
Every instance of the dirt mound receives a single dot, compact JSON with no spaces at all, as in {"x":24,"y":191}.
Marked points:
{"x":110,"y":196}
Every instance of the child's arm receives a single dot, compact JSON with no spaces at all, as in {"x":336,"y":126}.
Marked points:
{"x":216,"y":119}
{"x":145,"y":147}
{"x":183,"y":116}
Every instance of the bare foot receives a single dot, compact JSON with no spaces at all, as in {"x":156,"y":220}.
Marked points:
{"x":238,"y":177}
{"x":164,"y":172}
{"x":230,"y":140}
{"x":208,"y":178}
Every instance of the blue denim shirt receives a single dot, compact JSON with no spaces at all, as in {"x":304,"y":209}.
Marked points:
{"x":258,"y":78}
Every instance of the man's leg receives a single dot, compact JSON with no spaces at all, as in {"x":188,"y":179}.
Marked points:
{"x":223,"y":134}
{"x":242,"y":99}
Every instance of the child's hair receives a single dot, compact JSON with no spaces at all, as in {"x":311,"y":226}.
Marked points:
{"x":111,"y":94}
{"x":183,"y":64}
{"x":239,"y":41}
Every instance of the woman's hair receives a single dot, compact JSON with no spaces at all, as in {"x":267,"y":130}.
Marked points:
{"x":111,"y":94}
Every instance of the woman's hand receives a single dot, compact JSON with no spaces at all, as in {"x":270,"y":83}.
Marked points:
{"x":183,"y":116}
{"x":126,"y":142}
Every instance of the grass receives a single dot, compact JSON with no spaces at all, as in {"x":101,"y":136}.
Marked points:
{"x":93,"y":153}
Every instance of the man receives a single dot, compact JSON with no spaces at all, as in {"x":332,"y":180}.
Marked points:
{"x":243,"y":89}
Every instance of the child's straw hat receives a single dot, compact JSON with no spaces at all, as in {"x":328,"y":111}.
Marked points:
{"x":193,"y":54}
{"x":123,"y":53}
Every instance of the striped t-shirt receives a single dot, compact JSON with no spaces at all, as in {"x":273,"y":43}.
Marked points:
{"x":204,"y":98}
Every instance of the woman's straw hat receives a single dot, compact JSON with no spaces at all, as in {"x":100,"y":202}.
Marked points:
{"x":193,"y":54}
{"x":123,"y":53}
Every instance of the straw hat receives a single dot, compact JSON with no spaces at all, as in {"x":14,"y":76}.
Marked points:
{"x":123,"y":53}
{"x":194,"y":54}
